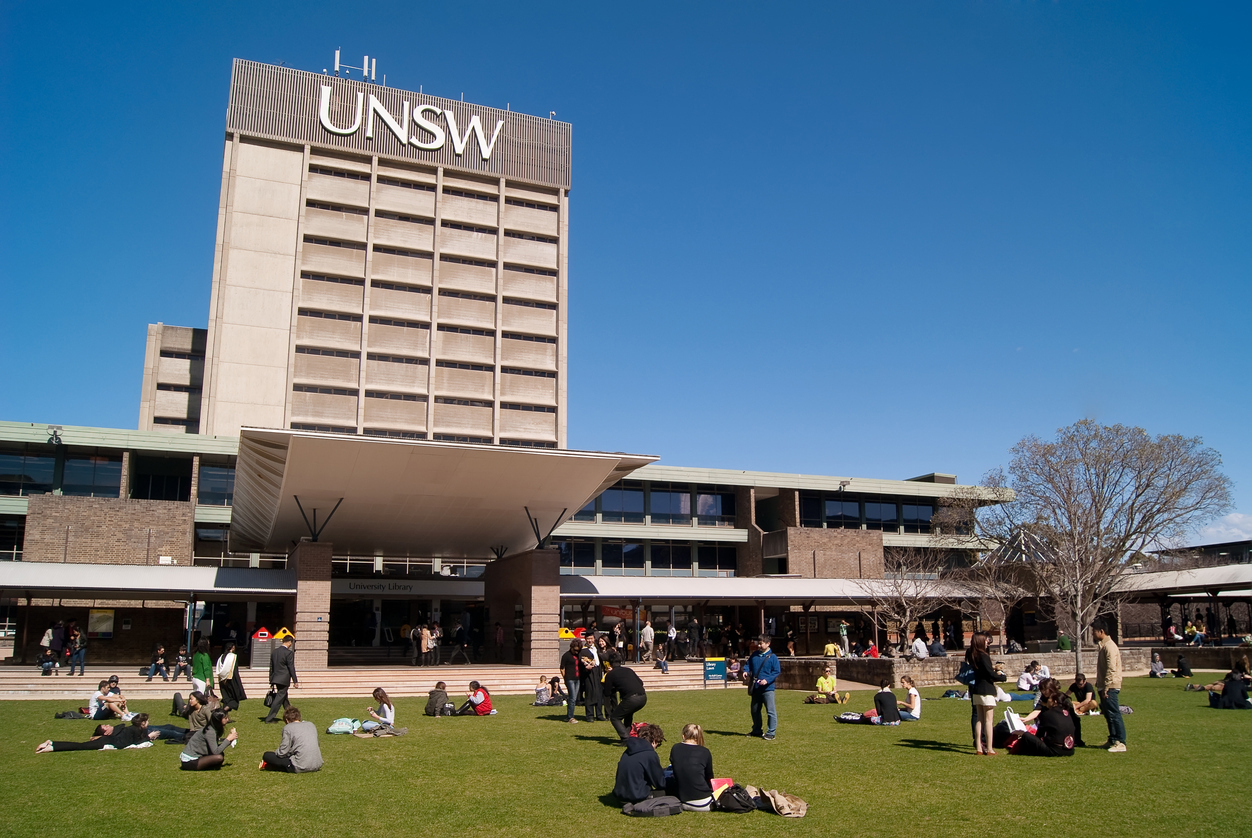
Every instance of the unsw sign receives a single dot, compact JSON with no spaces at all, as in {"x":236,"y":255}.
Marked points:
{"x":431,"y":134}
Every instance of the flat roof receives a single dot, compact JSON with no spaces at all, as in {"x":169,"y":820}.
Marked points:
{"x":815,"y":482}
{"x":111,"y":581}
{"x":415,"y":497}
{"x":1227,"y":579}
{"x":120,"y":438}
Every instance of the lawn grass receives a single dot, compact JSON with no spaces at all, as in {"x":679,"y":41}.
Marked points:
{"x":525,"y":772}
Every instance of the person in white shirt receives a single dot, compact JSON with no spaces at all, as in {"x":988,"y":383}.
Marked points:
{"x":911,"y":707}
{"x":671,"y":636}
{"x":646,"y":637}
{"x":920,"y":651}
{"x":1028,"y":680}
{"x":384,"y":715}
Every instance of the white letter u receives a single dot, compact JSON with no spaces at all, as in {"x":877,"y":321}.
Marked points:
{"x":323,"y":113}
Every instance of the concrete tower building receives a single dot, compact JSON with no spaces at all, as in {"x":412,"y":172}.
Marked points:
{"x":387,"y":263}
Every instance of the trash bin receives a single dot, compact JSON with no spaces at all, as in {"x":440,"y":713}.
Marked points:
{"x":261,"y":653}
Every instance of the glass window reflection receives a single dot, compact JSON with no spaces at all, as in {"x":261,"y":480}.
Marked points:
{"x":26,"y":474}
{"x":92,"y":477}
{"x":622,"y":503}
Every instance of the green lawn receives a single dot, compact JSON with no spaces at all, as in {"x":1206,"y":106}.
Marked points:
{"x":525,"y":772}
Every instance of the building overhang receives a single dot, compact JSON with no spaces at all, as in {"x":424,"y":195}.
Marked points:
{"x":1224,"y":580}
{"x":408,"y":497}
{"x":739,"y":590}
{"x":101,"y":581}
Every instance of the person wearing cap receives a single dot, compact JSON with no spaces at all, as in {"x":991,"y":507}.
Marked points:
{"x":113,"y":685}
{"x":105,"y":704}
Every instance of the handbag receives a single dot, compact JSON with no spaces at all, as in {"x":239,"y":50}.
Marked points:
{"x":1014,"y":721}
{"x":270,"y":696}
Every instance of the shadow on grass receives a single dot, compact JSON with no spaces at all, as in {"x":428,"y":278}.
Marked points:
{"x":724,"y":733}
{"x":603,"y":740}
{"x":611,"y":800}
{"x":931,"y":745}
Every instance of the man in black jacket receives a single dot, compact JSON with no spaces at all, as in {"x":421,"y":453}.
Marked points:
{"x":282,"y":676}
{"x":631,"y":696}
{"x":571,"y":670}
{"x":639,"y":772}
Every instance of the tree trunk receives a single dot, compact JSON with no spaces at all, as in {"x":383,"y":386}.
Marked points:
{"x":1076,"y":613}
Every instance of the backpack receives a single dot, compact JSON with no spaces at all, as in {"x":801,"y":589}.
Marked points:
{"x":735,"y":799}
{"x":654,"y":807}
{"x":965,"y":675}
{"x":344,"y":726}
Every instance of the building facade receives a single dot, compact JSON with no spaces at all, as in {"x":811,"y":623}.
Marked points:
{"x":387,"y":263}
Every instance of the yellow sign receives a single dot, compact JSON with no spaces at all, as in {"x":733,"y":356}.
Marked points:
{"x":281,"y":633}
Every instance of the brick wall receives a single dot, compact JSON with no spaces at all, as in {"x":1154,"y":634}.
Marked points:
{"x":834,"y":554}
{"x":748,"y":558}
{"x":107,"y":530}
{"x":533,"y":581}
{"x":312,"y":605}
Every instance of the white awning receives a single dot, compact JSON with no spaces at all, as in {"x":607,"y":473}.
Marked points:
{"x":101,"y":581}
{"x":408,"y":497}
{"x":1228,"y":579}
{"x":742,"y":590}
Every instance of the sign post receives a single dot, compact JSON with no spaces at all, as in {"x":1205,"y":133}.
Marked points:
{"x":714,"y":670}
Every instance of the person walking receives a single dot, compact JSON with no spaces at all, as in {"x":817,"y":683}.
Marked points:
{"x":76,"y":646}
{"x":1109,"y":686}
{"x":282,"y":677}
{"x":227,"y":673}
{"x":646,"y":638}
{"x":631,"y":697}
{"x":763,"y":670}
{"x":571,"y":671}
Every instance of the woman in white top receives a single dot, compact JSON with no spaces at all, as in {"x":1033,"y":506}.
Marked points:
{"x":911,"y":707}
{"x":384,"y":715}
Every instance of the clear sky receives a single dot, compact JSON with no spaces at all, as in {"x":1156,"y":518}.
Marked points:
{"x":860,"y":239}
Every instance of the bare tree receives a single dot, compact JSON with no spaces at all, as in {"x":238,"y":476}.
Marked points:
{"x":1003,"y":579}
{"x":915,"y":582}
{"x":1095,"y":496}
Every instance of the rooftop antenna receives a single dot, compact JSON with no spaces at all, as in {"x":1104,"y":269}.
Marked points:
{"x":369,"y":71}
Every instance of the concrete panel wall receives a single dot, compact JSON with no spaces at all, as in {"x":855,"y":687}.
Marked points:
{"x":405,"y":377}
{"x":412,"y":270}
{"x":473,"y":384}
{"x":466,"y":243}
{"x":521,"y":353}
{"x":404,"y":233}
{"x":334,"y":225}
{"x":404,"y":201}
{"x":408,"y":305}
{"x":532,"y":321}
{"x":331,"y":296}
{"x":456,"y":418}
{"x":321,"y":369}
{"x":528,"y":424}
{"x":469,"y":210}
{"x":528,"y":388}
{"x":399,"y":339}
{"x":467,"y":312}
{"x":478,"y":349}
{"x":526,"y":252}
{"x":531,"y":220}
{"x":529,"y":286}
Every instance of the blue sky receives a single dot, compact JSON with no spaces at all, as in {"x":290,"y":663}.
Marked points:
{"x":842,"y":238}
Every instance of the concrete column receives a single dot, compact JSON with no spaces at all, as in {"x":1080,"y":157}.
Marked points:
{"x":533,"y":581}
{"x":311,"y":560}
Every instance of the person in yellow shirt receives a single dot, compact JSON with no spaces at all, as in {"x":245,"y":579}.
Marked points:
{"x":828,"y":686}
{"x":831,"y":650}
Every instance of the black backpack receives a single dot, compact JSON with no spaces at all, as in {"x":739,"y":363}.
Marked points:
{"x":735,"y":799}
{"x":654,"y":807}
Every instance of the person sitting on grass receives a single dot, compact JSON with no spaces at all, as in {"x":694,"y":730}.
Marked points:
{"x":298,"y":752}
{"x":828,"y":686}
{"x":384,"y":715}
{"x":911,"y":708}
{"x":555,"y":688}
{"x":543,"y":692}
{"x":1231,"y":693}
{"x":693,"y":770}
{"x":205,"y":749}
{"x":105,"y":704}
{"x":477,"y":701}
{"x":437,"y":701}
{"x":106,"y":736}
{"x":1066,"y":704}
{"x":1084,"y":695}
{"x":1028,"y":681}
{"x":639,"y":773}
{"x":886,"y":705}
{"x":1184,"y":668}
{"x":1054,"y":734}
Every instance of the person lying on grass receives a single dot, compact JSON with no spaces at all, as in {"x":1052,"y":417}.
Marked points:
{"x":106,"y":736}
{"x":639,"y":773}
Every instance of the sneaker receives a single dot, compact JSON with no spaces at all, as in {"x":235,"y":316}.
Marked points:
{"x":769,"y":737}
{"x":492,"y":713}
{"x":572,"y":721}
{"x":1117,"y":748}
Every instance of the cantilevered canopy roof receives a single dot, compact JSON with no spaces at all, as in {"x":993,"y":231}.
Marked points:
{"x":1231,"y":579}
{"x":412,"y":497}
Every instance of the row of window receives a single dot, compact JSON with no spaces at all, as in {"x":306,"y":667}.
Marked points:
{"x":319,"y":314}
{"x":401,"y":359}
{"x":182,"y":356}
{"x":612,"y":557}
{"x":386,"y":180}
{"x":89,"y":475}
{"x":394,"y":434}
{"x":834,"y":510}
{"x":636,"y":502}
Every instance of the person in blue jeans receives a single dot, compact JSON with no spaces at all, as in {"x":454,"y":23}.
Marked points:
{"x":158,"y":664}
{"x":763,"y":670}
{"x":571,"y":671}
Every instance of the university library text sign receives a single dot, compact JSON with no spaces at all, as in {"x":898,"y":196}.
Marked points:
{"x":287,"y":105}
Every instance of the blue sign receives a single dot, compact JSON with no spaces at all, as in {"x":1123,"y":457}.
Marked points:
{"x":714,"y":669}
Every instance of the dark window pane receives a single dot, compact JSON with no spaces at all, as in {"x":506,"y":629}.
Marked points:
{"x":810,"y":510}
{"x":622,"y":505}
{"x":671,"y":559}
{"x":26,"y":474}
{"x":881,"y":516}
{"x":716,"y":559}
{"x":587,"y":513}
{"x":217,"y":486}
{"x":87,"y":477}
{"x":917,"y":517}
{"x":843,"y":514}
{"x":670,"y":504}
{"x":715,"y":508}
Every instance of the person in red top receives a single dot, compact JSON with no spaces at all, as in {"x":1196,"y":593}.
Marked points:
{"x":872,"y":651}
{"x":478,"y":702}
